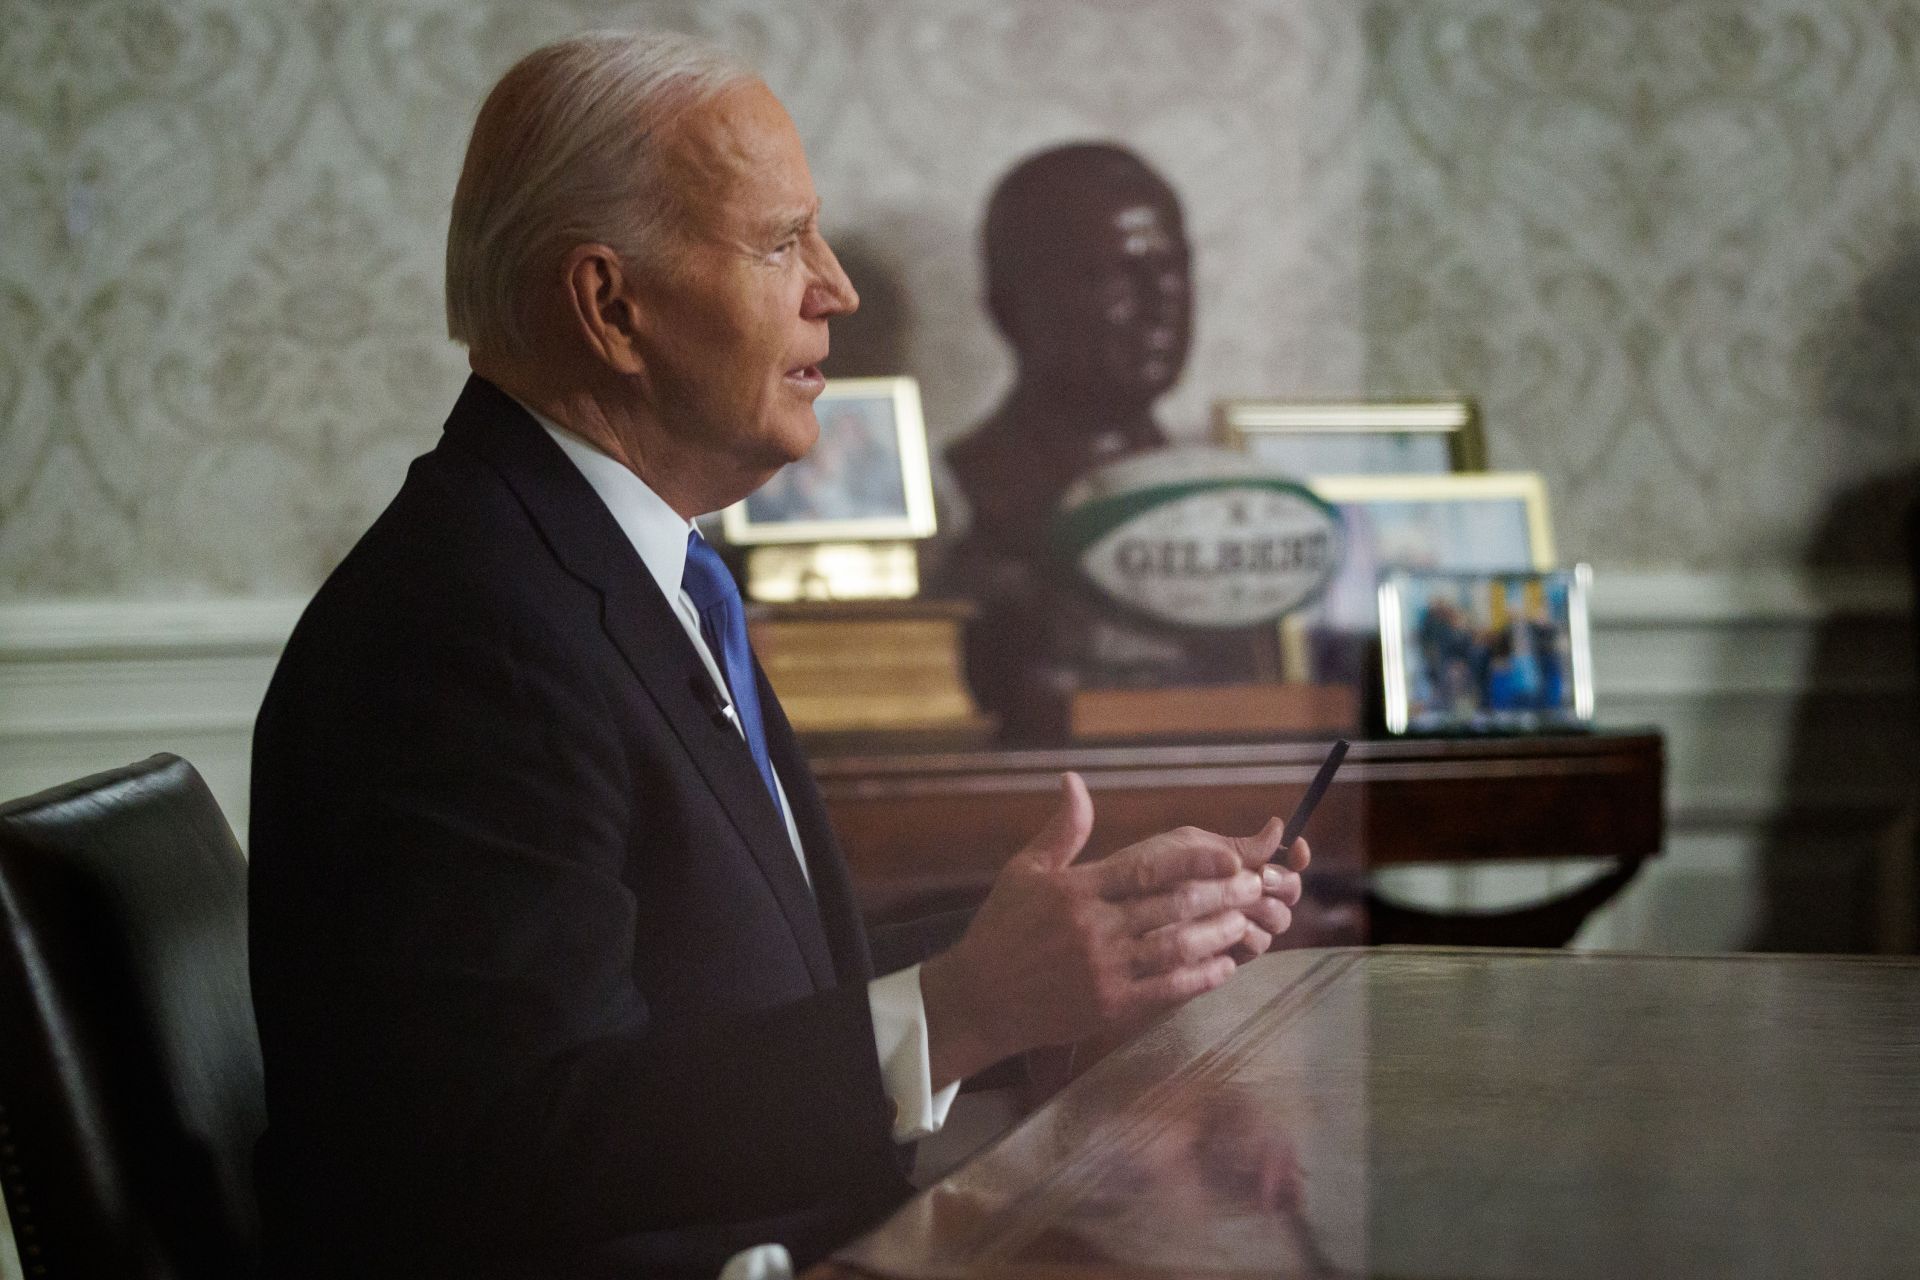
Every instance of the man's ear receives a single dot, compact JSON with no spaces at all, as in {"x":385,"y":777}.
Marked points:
{"x":600,"y":302}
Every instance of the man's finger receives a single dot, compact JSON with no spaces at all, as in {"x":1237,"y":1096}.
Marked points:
{"x":1163,"y":861}
{"x":1178,"y":985}
{"x":1252,"y":945}
{"x":1255,"y":850}
{"x":1065,"y":834}
{"x":1300,"y":855}
{"x":1190,"y":900}
{"x":1270,"y":914}
{"x":1284,"y":885}
{"x":1191,"y":942}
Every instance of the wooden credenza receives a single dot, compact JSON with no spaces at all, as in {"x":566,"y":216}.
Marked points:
{"x":929,"y":828}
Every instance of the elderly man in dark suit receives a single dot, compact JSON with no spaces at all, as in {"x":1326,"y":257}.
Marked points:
{"x":556,"y":964}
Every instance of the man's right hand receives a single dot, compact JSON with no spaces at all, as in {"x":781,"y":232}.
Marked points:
{"x":1058,"y":952}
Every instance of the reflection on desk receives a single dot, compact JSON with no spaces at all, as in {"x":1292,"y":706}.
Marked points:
{"x":1436,"y":1113}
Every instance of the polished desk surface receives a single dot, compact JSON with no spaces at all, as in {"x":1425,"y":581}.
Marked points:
{"x":1405,"y":1112}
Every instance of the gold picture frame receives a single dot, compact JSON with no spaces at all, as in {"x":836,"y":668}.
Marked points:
{"x":1492,"y":522}
{"x":867,"y":479}
{"x":1345,"y":437}
{"x":1525,"y":487}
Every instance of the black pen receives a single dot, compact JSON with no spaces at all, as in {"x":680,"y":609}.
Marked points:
{"x":1315,"y":789}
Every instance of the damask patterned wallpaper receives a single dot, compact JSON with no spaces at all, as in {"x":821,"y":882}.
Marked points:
{"x":1671,"y":245}
{"x":1675,"y":246}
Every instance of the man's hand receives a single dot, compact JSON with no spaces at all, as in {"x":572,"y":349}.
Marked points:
{"x":1059,"y":951}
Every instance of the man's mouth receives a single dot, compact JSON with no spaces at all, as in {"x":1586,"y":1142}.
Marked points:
{"x":807,"y":375}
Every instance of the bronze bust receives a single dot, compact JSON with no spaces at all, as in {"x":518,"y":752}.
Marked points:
{"x":1089,"y":278}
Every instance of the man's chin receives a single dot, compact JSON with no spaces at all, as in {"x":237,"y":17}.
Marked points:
{"x":778,"y":455}
{"x":794,"y":439}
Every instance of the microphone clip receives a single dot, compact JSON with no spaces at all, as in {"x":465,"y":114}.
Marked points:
{"x":715,"y":703}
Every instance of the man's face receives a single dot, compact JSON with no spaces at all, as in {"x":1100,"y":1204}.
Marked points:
{"x":733,"y":327}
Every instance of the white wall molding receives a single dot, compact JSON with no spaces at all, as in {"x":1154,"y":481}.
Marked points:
{"x":88,"y":685}
{"x":1754,"y":808}
{"x":1625,"y":602}
{"x":171,"y":629}
{"x":1787,"y":701}
{"x":1630,"y":598}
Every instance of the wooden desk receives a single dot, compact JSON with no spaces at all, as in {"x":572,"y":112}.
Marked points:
{"x":930,"y":828}
{"x":1432,"y":1113}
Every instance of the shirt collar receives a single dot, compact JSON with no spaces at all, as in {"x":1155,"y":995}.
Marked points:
{"x":658,"y":532}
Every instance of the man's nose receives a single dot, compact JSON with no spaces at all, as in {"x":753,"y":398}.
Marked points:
{"x":831,"y":293}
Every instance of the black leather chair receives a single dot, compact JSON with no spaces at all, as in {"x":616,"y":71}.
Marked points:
{"x":130,"y":1091}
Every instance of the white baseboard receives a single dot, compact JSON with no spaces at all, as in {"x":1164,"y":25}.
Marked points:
{"x":1785,"y":699}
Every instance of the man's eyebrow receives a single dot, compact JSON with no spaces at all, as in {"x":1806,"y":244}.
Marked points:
{"x":794,"y":223}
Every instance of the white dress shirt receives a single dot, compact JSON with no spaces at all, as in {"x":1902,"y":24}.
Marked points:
{"x":659,"y":534}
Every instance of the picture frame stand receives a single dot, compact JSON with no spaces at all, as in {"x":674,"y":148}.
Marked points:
{"x":782,"y":573}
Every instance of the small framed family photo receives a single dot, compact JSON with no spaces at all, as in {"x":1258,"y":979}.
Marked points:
{"x":1318,"y":438}
{"x":1489,"y":523}
{"x":866,"y":480}
{"x":1486,"y":652}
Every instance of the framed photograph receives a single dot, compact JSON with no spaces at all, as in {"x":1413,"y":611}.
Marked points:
{"x":1490,"y":523}
{"x":866,"y":480}
{"x":1371,"y":437}
{"x":1486,"y":652}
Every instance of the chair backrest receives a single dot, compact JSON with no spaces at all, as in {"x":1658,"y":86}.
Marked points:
{"x":129,"y":1066}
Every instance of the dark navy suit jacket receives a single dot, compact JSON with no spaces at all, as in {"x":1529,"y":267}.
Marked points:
{"x":540,"y":985}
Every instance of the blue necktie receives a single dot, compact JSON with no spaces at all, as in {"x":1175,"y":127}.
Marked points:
{"x":723,"y":622}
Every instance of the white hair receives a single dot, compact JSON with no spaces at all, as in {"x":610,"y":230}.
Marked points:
{"x":563,"y":153}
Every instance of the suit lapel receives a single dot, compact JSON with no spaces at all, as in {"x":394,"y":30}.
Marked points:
{"x":832,"y":888}
{"x":643,"y":627}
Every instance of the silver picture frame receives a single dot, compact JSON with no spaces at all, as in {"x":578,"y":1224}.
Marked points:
{"x":1466,"y":653}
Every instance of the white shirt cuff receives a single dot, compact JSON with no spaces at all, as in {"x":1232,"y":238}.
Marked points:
{"x":900,"y":1038}
{"x":762,"y":1262}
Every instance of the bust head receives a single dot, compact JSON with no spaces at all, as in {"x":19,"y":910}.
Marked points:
{"x":1089,"y":276}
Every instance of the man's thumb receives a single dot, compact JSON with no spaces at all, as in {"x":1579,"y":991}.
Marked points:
{"x":1065,"y":834}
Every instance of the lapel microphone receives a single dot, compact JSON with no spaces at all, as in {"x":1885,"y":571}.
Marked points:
{"x":711,"y":699}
